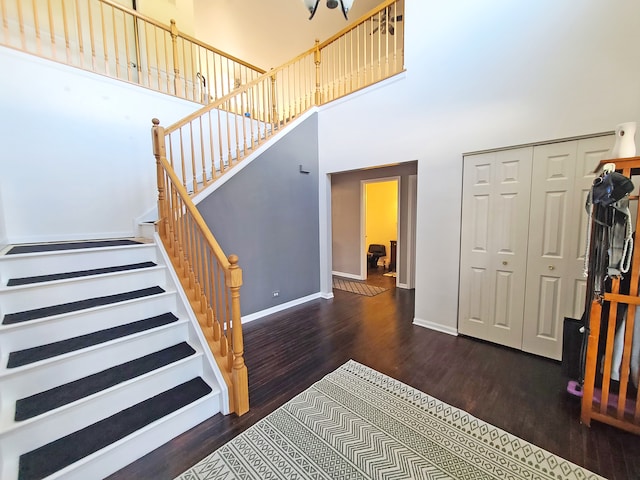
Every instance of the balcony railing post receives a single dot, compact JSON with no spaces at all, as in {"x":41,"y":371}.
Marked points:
{"x":239,"y":370}
{"x":176,"y":59}
{"x":159,"y":151}
{"x":316,"y":60}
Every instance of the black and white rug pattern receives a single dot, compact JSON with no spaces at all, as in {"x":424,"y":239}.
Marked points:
{"x":357,"y":423}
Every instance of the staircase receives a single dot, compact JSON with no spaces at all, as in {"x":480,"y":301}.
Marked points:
{"x":101,"y":361}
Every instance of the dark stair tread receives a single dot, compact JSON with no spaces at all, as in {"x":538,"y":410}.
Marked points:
{"x":26,"y":315}
{"x":52,"y":247}
{"x":54,"y":456}
{"x":79,"y":273}
{"x":42,"y":402}
{"x":41,"y":352}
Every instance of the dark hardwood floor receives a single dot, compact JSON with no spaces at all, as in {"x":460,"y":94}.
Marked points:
{"x":520,"y":393}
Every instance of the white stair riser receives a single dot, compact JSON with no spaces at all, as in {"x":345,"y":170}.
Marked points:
{"x":45,"y":263}
{"x":23,"y":335}
{"x":114,"y":457}
{"x":34,"y":433}
{"x":34,"y":264}
{"x":121,"y":454}
{"x":18,"y":299}
{"x":39,"y":376}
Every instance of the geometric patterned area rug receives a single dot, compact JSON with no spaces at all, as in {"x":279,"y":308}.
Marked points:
{"x":357,"y":423}
{"x":357,"y":287}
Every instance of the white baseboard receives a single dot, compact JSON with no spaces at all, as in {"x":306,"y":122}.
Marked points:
{"x":279,"y":308}
{"x":348,"y":275}
{"x":327,"y":296}
{"x":435,"y":326}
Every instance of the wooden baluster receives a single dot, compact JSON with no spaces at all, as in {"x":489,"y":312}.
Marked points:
{"x":611,"y":332}
{"x":220,"y":148}
{"x":51,"y":28}
{"x":147,"y":54}
{"x":183,"y":173}
{"x":105,"y":51}
{"x":174,"y":225}
{"x":126,"y":45}
{"x":5,"y":22}
{"x":222,"y":312}
{"x":212,"y":150}
{"x":194,"y":178}
{"x":36,"y":24}
{"x":176,"y":60}
{"x":211,"y":313}
{"x":274,"y":110}
{"x":156,"y":47}
{"x":165,"y":51}
{"x":115,"y":41}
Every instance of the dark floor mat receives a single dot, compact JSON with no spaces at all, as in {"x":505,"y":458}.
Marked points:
{"x":41,"y":352}
{"x":79,"y":273}
{"x":54,"y":456}
{"x":26,"y":315}
{"x":48,"y":400}
{"x":52,"y":247}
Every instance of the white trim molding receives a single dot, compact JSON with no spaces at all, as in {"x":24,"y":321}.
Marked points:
{"x":435,"y":326}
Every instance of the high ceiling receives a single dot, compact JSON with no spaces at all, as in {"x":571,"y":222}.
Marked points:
{"x":267,"y":33}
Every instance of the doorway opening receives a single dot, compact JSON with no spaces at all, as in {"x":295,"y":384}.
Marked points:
{"x":379,"y":226}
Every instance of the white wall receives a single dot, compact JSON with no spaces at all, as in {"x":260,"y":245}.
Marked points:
{"x":481,"y":75}
{"x":165,"y":10}
{"x":64,"y":133}
{"x":268,"y":33}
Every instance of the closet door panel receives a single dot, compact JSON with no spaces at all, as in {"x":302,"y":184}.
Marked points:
{"x":548,"y":292}
{"x":589,"y":154}
{"x":496,"y":189}
{"x":475,"y":278}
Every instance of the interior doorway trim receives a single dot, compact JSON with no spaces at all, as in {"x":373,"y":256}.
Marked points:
{"x":363,"y":215}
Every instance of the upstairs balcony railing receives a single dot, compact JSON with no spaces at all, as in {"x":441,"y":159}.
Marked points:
{"x":205,"y":145}
{"x":104,"y":37}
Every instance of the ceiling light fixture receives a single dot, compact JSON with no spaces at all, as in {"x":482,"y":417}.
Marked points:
{"x":345,"y":6}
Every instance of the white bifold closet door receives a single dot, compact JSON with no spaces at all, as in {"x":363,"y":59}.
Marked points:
{"x":495,"y":223}
{"x":523,"y":241}
{"x":555,"y":287}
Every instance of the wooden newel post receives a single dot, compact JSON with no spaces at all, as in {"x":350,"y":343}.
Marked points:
{"x":239,"y":369}
{"x":176,"y":62}
{"x":316,"y":60}
{"x":157,"y":140}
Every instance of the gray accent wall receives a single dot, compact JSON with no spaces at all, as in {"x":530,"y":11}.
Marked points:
{"x":267,"y":214}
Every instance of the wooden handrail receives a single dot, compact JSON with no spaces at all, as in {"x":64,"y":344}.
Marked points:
{"x":198,"y":260}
